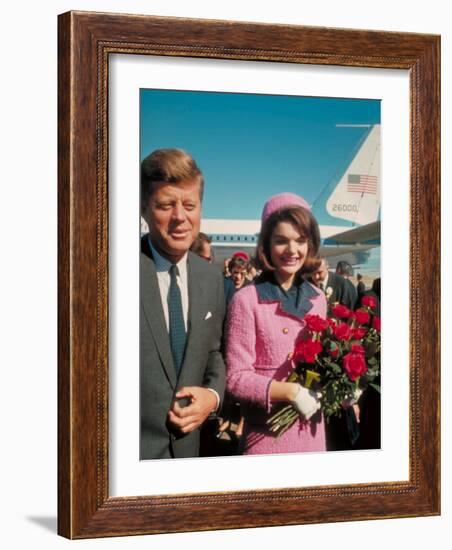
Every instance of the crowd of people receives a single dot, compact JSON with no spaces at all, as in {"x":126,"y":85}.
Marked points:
{"x":215,"y":347}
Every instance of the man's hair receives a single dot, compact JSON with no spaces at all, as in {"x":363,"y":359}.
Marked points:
{"x":167,"y":166}
{"x":306,"y":225}
{"x":344,"y":268}
{"x":198,"y":243}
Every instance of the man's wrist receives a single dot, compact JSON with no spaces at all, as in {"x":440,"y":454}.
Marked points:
{"x":217,"y":398}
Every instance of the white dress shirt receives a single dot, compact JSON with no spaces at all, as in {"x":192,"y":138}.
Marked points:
{"x":162,"y":266}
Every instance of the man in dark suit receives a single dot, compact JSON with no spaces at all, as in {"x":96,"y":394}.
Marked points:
{"x":182,"y":374}
{"x":341,"y":433}
{"x":360,"y":286}
{"x":345,"y":270}
{"x":337,"y":289}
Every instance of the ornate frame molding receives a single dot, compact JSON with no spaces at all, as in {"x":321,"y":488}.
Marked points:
{"x":85,"y":42}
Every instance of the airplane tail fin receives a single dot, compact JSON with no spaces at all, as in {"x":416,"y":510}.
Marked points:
{"x":355,"y":198}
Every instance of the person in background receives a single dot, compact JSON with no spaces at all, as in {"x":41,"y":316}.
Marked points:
{"x":202,"y":246}
{"x":231,"y":411}
{"x":345,"y":270}
{"x":370,"y":403}
{"x":238,"y":270}
{"x":334,"y":286}
{"x":341,"y":433}
{"x":264,"y":322}
{"x":238,"y":267}
{"x":226,"y":272}
{"x":253,"y":271}
{"x":360,"y":287}
{"x":376,"y":287}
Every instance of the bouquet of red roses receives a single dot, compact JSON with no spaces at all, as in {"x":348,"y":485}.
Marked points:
{"x":340,"y":358}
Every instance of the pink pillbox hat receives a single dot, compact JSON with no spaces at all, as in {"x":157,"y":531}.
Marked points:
{"x":282,"y":200}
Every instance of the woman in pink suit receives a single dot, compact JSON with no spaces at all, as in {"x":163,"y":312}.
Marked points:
{"x":266,"y":319}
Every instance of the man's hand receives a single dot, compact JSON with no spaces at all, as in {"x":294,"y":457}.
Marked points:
{"x":352,"y":401}
{"x":202,"y":403}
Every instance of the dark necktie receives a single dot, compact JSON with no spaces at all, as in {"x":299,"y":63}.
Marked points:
{"x":177,"y":332}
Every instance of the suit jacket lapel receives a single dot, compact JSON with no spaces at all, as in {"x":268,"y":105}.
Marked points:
{"x":153,"y":312}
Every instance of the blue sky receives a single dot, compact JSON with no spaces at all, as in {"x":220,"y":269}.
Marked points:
{"x":252,"y":146}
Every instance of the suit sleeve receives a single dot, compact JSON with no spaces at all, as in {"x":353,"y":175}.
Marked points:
{"x":350,"y":296}
{"x":214,"y":375}
{"x":243,"y":381}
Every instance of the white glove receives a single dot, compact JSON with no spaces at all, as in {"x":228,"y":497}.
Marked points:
{"x":353,"y":399}
{"x":306,"y":402}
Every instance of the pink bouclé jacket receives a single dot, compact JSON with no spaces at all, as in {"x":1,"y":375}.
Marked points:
{"x":261,"y":334}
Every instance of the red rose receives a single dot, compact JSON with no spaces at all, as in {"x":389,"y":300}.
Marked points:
{"x":369,"y":301}
{"x":362,"y":316}
{"x":306,"y":351}
{"x":315,"y":323}
{"x":354,"y":365}
{"x":342,"y":331}
{"x":358,"y":333}
{"x":376,"y":323}
{"x":342,"y":312}
{"x":356,"y":348}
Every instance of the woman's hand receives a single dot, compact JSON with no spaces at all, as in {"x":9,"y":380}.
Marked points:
{"x":306,"y":402}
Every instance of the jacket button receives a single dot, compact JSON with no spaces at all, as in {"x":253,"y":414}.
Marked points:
{"x":285,"y":330}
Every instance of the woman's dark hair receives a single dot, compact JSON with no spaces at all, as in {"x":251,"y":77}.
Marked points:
{"x":305,"y":223}
{"x":237,"y":261}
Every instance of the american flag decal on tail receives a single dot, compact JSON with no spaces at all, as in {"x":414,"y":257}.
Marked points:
{"x":362,"y":183}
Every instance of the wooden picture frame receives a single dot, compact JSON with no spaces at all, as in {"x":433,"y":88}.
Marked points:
{"x":86,"y":40}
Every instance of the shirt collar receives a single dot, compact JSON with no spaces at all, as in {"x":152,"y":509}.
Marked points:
{"x":163,"y":265}
{"x":269,"y":291}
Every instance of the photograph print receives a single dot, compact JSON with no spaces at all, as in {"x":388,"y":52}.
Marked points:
{"x":259,"y":274}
